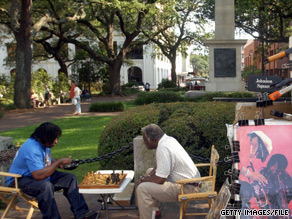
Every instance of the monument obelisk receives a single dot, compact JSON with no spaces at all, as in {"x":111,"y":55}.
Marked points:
{"x":224,"y":51}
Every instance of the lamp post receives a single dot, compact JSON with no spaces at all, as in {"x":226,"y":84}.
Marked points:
{"x":88,"y":73}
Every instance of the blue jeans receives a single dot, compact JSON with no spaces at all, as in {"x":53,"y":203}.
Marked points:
{"x":78,"y":106}
{"x":44,"y":190}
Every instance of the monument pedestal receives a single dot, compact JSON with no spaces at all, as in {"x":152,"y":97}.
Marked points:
{"x":225,"y":51}
{"x":225,"y":65}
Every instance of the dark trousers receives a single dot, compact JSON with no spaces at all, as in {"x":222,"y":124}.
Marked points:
{"x":44,"y":190}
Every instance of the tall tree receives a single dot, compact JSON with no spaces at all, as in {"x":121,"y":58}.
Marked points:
{"x":266,"y":20}
{"x":103,"y":20}
{"x":200,"y":64}
{"x":59,"y":15}
{"x":176,"y":28}
{"x":17,"y":16}
{"x":270,"y":17}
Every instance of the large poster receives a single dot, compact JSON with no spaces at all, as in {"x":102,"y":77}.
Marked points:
{"x":265,"y":169}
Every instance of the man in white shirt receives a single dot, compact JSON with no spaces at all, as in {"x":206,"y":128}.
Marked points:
{"x":172,"y":163}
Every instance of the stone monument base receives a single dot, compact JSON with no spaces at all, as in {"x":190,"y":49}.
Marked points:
{"x":225,"y":86}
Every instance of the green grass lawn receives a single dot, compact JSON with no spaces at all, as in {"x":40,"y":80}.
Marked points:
{"x":79,"y":140}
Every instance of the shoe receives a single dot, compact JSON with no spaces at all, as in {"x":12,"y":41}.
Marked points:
{"x":158,"y":214}
{"x":90,"y":215}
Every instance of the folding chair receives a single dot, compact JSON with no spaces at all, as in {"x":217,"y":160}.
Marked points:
{"x":207,"y":190}
{"x":14,"y":192}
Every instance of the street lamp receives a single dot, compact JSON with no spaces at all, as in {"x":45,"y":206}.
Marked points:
{"x":88,"y":73}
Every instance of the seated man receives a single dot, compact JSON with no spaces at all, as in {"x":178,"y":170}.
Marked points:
{"x":34,"y":99}
{"x":40,"y":178}
{"x":172,"y":164}
{"x":85,"y":93}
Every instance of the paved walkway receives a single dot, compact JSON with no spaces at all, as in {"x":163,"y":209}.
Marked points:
{"x":20,"y":118}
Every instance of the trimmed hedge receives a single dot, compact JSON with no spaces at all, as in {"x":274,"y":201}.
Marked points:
{"x":165,"y":83}
{"x":107,"y":107}
{"x":208,"y":96}
{"x":175,"y":95}
{"x":197,"y":126}
{"x":120,"y":131}
{"x":158,"y":97}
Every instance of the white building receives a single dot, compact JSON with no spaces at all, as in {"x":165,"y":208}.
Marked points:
{"x":144,"y":65}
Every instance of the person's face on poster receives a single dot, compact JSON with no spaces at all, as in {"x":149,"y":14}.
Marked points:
{"x":254,"y":147}
{"x":274,"y":168}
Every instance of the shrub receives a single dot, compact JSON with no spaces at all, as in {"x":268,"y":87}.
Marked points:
{"x":61,"y":83}
{"x":175,"y":89}
{"x":10,"y":106}
{"x":158,"y":97}
{"x":197,"y":126}
{"x":1,"y":115}
{"x":130,"y":88}
{"x":165,"y":83}
{"x":39,"y":79}
{"x":130,"y":84}
{"x":122,"y":130}
{"x":107,"y":107}
{"x":208,"y":96}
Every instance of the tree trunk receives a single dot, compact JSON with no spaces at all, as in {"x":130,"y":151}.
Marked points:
{"x":62,"y":65}
{"x":173,"y":69}
{"x":23,"y":58}
{"x":114,"y":77}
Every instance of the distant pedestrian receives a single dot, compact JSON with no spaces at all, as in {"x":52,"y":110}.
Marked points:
{"x":76,"y":97}
{"x":47,"y":96}
{"x":147,"y":86}
{"x":86,"y":95}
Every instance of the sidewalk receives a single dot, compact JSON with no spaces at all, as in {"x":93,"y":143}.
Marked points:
{"x":168,"y":210}
{"x":20,"y":118}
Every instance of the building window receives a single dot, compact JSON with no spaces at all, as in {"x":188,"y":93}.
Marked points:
{"x":135,"y":53}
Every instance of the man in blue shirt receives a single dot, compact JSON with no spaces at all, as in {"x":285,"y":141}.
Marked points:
{"x":39,"y":176}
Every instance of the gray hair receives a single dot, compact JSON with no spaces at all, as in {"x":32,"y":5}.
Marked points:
{"x":153,"y":132}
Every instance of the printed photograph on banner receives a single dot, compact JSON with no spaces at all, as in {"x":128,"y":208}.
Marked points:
{"x":265,"y":167}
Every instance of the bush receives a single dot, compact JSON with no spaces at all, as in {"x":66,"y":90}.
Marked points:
{"x":158,"y":97}
{"x":130,"y":88}
{"x":107,"y":107}
{"x":1,"y":115}
{"x":208,"y":96}
{"x":175,"y":89}
{"x":165,"y":83}
{"x":61,"y":83}
{"x":130,"y":84}
{"x":122,"y":130}
{"x":10,"y":106}
{"x":39,"y":79}
{"x":197,"y":126}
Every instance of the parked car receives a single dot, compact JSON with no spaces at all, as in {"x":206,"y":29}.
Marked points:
{"x":195,"y":83}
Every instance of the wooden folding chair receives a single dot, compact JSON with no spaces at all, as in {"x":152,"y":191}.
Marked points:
{"x":207,"y":190}
{"x":15,"y":192}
